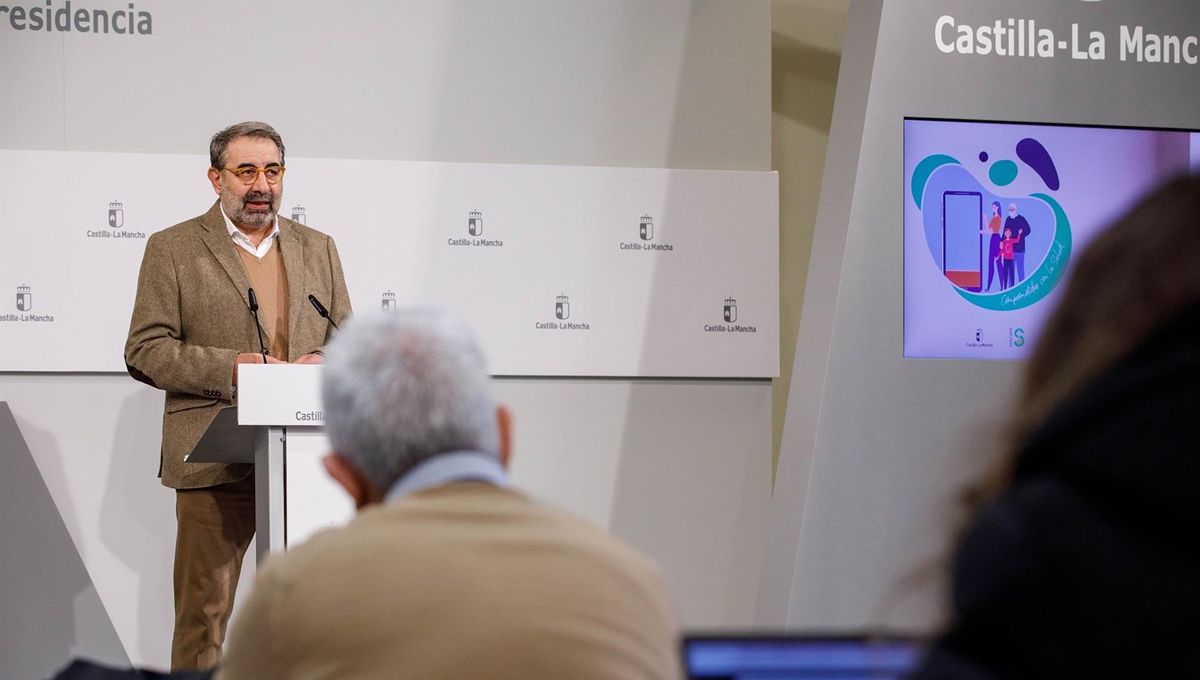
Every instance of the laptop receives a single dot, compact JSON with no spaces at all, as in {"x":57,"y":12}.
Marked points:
{"x":799,"y":657}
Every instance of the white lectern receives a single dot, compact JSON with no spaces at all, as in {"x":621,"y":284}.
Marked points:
{"x":278,"y":427}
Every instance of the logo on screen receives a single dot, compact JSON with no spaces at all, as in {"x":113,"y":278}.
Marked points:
{"x":1016,"y":337}
{"x":475,"y":223}
{"x":729,"y":312}
{"x":562,"y":307}
{"x":388,"y":302}
{"x":999,"y":251}
{"x":116,"y":215}
{"x":24,"y":299}
{"x":299,"y":214}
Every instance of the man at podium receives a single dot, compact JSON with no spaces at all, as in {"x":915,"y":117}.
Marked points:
{"x":229,"y":287}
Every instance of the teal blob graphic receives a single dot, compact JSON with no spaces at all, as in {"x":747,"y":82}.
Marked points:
{"x":1029,"y":290}
{"x":956,"y":220}
{"x":1002,"y":173}
{"x":924,"y":169}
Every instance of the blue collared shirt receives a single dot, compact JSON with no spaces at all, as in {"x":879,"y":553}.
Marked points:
{"x":446,"y":468}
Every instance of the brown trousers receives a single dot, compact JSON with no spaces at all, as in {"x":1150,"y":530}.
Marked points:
{"x":214,"y":528}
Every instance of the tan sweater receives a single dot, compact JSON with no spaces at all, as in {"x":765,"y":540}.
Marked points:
{"x":269,"y":280}
{"x":464,"y":580}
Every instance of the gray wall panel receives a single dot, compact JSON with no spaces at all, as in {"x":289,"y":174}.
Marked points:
{"x":874,"y":492}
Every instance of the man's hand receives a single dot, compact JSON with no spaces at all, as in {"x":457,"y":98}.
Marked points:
{"x":251,"y":358}
{"x":313,"y":358}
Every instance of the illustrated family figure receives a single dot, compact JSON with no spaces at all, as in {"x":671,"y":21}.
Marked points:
{"x":1006,"y":248}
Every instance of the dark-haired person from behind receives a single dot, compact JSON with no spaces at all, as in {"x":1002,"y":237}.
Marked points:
{"x":1083,"y":560}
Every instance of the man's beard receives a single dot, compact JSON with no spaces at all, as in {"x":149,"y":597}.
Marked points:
{"x":235,"y":208}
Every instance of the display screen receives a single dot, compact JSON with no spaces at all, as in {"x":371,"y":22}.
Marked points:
{"x":798,"y":658}
{"x":994,"y":214}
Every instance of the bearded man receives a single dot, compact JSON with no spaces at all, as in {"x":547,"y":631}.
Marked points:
{"x":192,"y":326}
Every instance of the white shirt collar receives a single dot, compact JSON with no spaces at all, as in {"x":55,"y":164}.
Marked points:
{"x":243,"y":241}
{"x":446,"y":468}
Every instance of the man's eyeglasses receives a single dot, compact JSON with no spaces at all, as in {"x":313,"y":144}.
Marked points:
{"x":248,"y":174}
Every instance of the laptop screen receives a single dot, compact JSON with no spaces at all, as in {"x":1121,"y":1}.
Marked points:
{"x":798,"y":657}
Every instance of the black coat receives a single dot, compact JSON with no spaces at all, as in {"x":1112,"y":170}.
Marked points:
{"x":1089,"y":564}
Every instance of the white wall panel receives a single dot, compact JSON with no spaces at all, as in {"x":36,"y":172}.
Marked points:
{"x":567,"y":270}
{"x":678,"y":84}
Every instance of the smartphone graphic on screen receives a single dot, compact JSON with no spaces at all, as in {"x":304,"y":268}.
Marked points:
{"x":962,"y":238}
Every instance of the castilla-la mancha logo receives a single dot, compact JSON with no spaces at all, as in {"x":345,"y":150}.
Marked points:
{"x":24,"y":299}
{"x":729,"y":315}
{"x":116,"y":215}
{"x":299,"y":214}
{"x":114,"y":224}
{"x":25,"y":307}
{"x":730,"y":310}
{"x":388,"y":301}
{"x":646,"y":236}
{"x":475,"y":234}
{"x":562,"y":312}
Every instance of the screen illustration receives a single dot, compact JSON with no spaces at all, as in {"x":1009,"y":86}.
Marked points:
{"x":993,"y":212}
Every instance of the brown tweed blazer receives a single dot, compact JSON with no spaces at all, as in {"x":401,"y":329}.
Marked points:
{"x":191,"y":319}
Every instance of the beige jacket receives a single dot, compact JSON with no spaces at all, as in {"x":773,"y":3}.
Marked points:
{"x":464,"y":580}
{"x":191,"y":319}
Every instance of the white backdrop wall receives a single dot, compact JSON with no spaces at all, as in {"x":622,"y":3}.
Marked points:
{"x":556,"y":274}
{"x":876,"y":448}
{"x":681,"y":469}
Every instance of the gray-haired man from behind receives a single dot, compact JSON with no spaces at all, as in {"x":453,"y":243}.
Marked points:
{"x":447,"y":571}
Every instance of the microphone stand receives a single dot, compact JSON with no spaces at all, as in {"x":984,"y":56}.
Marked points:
{"x":254,"y":309}
{"x":324,"y":313}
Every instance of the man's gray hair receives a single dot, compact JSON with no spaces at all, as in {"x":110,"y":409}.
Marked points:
{"x":251,"y":128}
{"x":401,"y":387}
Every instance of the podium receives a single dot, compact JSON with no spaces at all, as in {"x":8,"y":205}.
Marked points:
{"x":278,"y":426}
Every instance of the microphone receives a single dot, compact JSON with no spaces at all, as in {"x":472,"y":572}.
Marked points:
{"x":254,"y":310}
{"x":321,"y":310}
